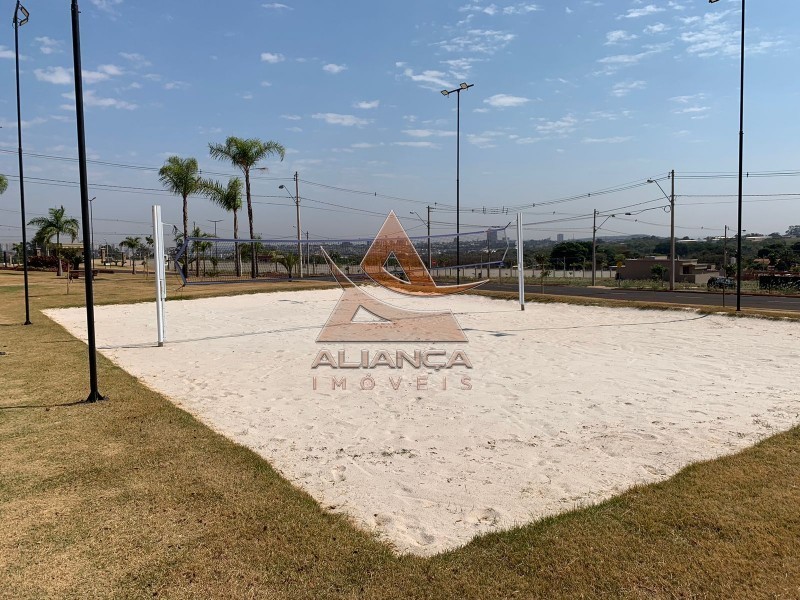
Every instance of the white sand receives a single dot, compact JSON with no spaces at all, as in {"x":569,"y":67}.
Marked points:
{"x":570,"y":405}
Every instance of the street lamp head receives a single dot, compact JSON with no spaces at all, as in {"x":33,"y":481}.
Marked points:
{"x":651,"y":181}
{"x":445,"y":93}
{"x":93,"y":199}
{"x":281,"y":187}
{"x":712,"y":1}
{"x":463,"y":85}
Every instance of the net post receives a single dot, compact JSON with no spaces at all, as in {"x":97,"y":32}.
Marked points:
{"x":520,"y":263}
{"x":160,"y":274}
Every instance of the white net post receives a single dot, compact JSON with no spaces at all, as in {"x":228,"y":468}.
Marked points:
{"x":520,"y":263}
{"x":160,"y":272}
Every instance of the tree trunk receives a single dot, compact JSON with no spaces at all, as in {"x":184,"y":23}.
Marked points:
{"x":59,"y":271}
{"x":253,"y":253}
{"x":186,"y":235}
{"x":237,"y":256}
{"x":133,"y":263}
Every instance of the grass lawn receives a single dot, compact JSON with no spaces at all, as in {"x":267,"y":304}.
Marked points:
{"x":133,"y":498}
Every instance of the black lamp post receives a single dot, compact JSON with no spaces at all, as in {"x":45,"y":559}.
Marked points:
{"x":17,"y":24}
{"x":457,"y":91}
{"x":741,"y":165}
{"x":94,"y":393}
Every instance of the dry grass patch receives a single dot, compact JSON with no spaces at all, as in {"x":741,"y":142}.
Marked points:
{"x":134,"y":498}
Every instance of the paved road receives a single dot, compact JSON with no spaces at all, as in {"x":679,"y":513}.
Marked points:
{"x":698,"y":298}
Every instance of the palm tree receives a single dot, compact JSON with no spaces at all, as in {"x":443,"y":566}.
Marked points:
{"x":199,"y":249}
{"x":244,"y":154}
{"x":3,"y":183}
{"x":181,"y":176}
{"x":229,"y":198}
{"x":56,"y":224}
{"x":133,"y":244}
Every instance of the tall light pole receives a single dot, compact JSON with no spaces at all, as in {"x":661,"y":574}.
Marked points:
{"x":457,"y":91}
{"x":296,"y":199}
{"x":741,"y":166}
{"x":413,"y":212}
{"x":671,"y":200}
{"x":17,"y":24}
{"x":595,"y":227}
{"x":215,"y":221}
{"x":94,"y":393}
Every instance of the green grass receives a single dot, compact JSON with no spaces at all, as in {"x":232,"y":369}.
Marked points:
{"x":134,"y":498}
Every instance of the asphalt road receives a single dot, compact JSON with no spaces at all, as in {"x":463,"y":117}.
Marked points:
{"x":695,"y":298}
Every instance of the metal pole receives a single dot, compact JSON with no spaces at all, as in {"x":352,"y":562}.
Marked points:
{"x":299,"y":235}
{"x":91,"y":221}
{"x":724,"y":263}
{"x":430,"y":265}
{"x":741,"y":164}
{"x":94,"y":393}
{"x":458,"y":175}
{"x":21,"y":176}
{"x":594,"y":245}
{"x":520,"y":263}
{"x":672,"y":233}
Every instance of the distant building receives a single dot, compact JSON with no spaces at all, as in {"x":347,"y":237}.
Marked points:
{"x":686,"y":270}
{"x":560,"y":237}
{"x":491,"y":236}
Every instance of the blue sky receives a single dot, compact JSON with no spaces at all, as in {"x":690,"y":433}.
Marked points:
{"x":569,"y":98}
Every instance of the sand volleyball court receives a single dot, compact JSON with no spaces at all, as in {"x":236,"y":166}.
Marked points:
{"x":563,"y":406}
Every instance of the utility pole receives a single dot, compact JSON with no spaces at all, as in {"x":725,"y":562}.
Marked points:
{"x":672,"y":233}
{"x":215,"y":221}
{"x":297,"y":202}
{"x":724,"y":264}
{"x":430,"y":266}
{"x":594,"y":245}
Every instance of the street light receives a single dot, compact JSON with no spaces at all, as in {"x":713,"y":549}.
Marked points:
{"x":413,"y":212}
{"x":671,"y":200}
{"x":595,"y":227}
{"x":17,"y":24}
{"x":296,"y":199}
{"x":741,"y":165}
{"x":457,"y":91}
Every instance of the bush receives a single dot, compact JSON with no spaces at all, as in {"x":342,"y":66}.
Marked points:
{"x":46,"y":263}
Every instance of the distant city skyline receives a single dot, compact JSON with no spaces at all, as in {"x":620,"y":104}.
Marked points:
{"x":570,"y":99}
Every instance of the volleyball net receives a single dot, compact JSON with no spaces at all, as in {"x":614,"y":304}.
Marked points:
{"x":208,"y":260}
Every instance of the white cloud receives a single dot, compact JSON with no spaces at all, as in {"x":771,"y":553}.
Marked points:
{"x":617,"y":36}
{"x":25,"y":124}
{"x":176,"y":85}
{"x":688,"y":99}
{"x":608,"y":140}
{"x":657,"y":28}
{"x":416,"y":144}
{"x":635,"y":13}
{"x":691,"y":110}
{"x":276,"y":6}
{"x":364,"y":145}
{"x":367,"y":104}
{"x":337,"y":119}
{"x":423,"y":133}
{"x":505,"y":101}
{"x":55,"y":75}
{"x":106,"y":5}
{"x":269,"y":57}
{"x":90,"y":99}
{"x":137,"y":60}
{"x":102,"y":73}
{"x":291,"y":117}
{"x":569,"y":10}
{"x":612,"y":63}
{"x":492,"y":9}
{"x":429,"y":76}
{"x":559,"y":127}
{"x":334,"y":69}
{"x":624,"y":88}
{"x":266,"y":84}
{"x":481,"y":41}
{"x":6,"y":53}
{"x":48,"y":45}
{"x":460,"y":67}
